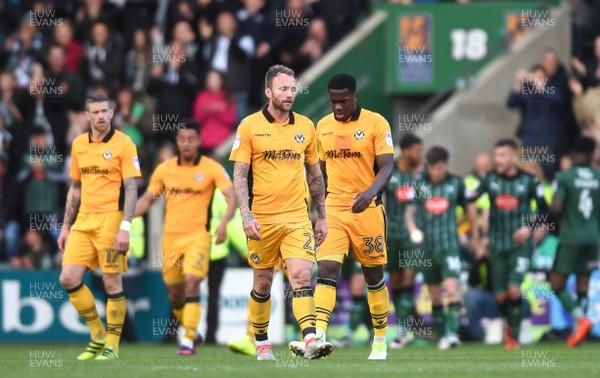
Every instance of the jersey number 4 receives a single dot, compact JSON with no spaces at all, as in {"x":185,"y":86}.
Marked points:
{"x":586,"y":204}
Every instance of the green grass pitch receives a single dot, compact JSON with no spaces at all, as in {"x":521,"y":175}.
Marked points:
{"x":159,"y":360}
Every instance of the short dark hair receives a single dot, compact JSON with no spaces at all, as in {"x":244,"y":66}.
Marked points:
{"x":276,"y":70}
{"x":409,"y":140}
{"x":38,"y":130}
{"x":437,"y":154}
{"x":94,"y":98}
{"x":507,"y":143}
{"x":189,"y":123}
{"x":342,"y":81}
{"x":584,"y":145}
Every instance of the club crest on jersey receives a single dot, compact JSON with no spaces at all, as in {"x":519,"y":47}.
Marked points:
{"x":254,"y":257}
{"x":359,"y":134}
{"x":299,"y":138}
{"x":107,"y":155}
{"x":199,"y":177}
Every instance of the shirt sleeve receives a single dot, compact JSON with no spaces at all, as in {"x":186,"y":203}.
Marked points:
{"x":222,"y":179}
{"x":384,"y":144}
{"x":319,"y":147}
{"x":242,"y":146}
{"x":74,"y":169}
{"x":312,"y":156}
{"x":561,"y":187}
{"x":481,"y":187}
{"x":157,"y":184}
{"x":130,"y":164}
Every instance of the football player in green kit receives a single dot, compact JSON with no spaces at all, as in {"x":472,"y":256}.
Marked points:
{"x":577,"y":204}
{"x":511,"y":191}
{"x":402,"y":264}
{"x":434,"y":209}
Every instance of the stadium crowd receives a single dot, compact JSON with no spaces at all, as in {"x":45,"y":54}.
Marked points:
{"x":161,"y":61}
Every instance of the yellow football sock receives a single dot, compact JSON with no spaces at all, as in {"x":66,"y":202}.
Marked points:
{"x":83,"y":300}
{"x":259,"y":307}
{"x":303,"y":305}
{"x":116,"y":308}
{"x":325,"y":293}
{"x":178,"y":312}
{"x":249,"y":328}
{"x":379,"y":304}
{"x":191,"y":316}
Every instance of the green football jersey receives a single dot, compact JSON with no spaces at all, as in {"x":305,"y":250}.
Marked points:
{"x":510,"y":206}
{"x":436,"y":212}
{"x":579,"y":187}
{"x":398,"y":194}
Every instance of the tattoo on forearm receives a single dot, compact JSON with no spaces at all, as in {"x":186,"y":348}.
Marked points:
{"x":131,"y":197}
{"x":316,"y":187}
{"x":240,"y":187}
{"x":73,"y":203}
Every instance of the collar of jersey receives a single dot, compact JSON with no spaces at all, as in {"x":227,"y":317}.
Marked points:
{"x":356,"y":113}
{"x":195,"y":161}
{"x":519,"y":172}
{"x":272,"y":119}
{"x":106,"y":137}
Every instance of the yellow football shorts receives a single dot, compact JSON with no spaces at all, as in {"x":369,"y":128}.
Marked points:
{"x":365,"y":232}
{"x":281,"y":241}
{"x":91,"y":242}
{"x":185,"y":254}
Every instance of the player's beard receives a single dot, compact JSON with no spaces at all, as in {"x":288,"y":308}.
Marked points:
{"x":282,"y":106}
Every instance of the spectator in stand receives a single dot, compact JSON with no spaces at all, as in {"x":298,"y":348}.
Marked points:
{"x":214,"y":110}
{"x":256,"y":21}
{"x":558,"y":79}
{"x":103,"y":58}
{"x":589,"y":72}
{"x":9,"y":225}
{"x":178,"y":10}
{"x":37,"y":253}
{"x":184,"y":34}
{"x":296,"y":14}
{"x":586,"y":105}
{"x":174,"y":84}
{"x":41,"y":182}
{"x":128,"y":114}
{"x":88,"y":14}
{"x":23,"y":48}
{"x":134,"y":15}
{"x":63,"y":35}
{"x":340,"y":16}
{"x":9,"y":111}
{"x":542,"y":118}
{"x":9,"y":16}
{"x":5,"y":137}
{"x":65,"y":93}
{"x":138,"y":62}
{"x":314,"y":46}
{"x":228,"y":50}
